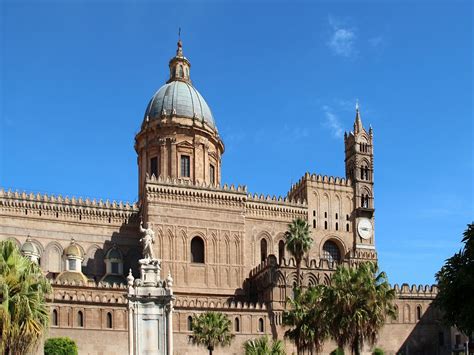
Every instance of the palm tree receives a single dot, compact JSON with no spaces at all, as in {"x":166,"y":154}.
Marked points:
{"x":298,"y":243}
{"x":211,"y":329}
{"x":262,"y":346}
{"x":358,"y":302}
{"x":307,"y":317}
{"x":24,"y":315}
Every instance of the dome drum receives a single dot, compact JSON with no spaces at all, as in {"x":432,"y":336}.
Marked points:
{"x":178,"y":136}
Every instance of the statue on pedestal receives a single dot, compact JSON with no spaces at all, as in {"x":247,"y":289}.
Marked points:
{"x":147,"y":242}
{"x":150,"y":303}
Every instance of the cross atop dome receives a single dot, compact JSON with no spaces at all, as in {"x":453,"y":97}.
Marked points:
{"x":179,"y":64}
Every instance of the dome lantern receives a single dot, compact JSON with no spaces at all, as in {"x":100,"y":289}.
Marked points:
{"x":179,"y":66}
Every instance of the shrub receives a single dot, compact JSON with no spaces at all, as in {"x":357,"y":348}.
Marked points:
{"x":337,"y":351}
{"x":377,"y":351}
{"x":60,"y":346}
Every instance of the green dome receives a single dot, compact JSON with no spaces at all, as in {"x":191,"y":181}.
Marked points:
{"x":114,"y":253}
{"x":29,"y":247}
{"x":73,"y":250}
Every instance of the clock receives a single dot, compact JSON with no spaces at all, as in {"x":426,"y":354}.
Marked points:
{"x":364,"y":228}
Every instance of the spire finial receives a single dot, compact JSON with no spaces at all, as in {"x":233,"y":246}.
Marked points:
{"x":179,"y":51}
{"x":358,"y":122}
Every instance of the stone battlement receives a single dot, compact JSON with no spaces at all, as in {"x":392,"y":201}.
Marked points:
{"x":203,"y":189}
{"x":324,"y":179}
{"x":227,"y":305}
{"x":425,"y":291}
{"x":89,"y":284}
{"x":314,"y":264}
{"x":57,"y":205}
{"x":90,"y":292}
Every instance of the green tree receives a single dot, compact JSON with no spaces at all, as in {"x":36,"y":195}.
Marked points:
{"x":307,"y":319}
{"x":60,"y":346}
{"x":298,"y":243}
{"x":358,"y":302}
{"x":456,"y":286}
{"x":262,"y":346}
{"x":211,"y":329}
{"x":24,"y":315}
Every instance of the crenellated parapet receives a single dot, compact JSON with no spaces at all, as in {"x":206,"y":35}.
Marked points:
{"x":88,"y":293}
{"x":171,"y":190}
{"x":185,"y":191}
{"x":68,"y":208}
{"x":215,"y":304}
{"x":198,"y":184}
{"x":280,"y":208}
{"x":323,"y":180}
{"x":415,"y":291}
{"x":358,"y":256}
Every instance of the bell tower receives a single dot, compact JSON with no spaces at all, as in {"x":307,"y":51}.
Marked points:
{"x":359,"y":161}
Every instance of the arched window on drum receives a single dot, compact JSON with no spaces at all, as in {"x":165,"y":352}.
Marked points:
{"x":331,"y":252}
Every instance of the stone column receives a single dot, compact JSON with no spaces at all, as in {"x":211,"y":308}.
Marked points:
{"x":169,"y":315}
{"x":163,"y":155}
{"x":174,"y":163}
{"x":206,"y":170}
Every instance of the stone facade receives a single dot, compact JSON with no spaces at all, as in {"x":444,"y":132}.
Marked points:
{"x":223,"y":246}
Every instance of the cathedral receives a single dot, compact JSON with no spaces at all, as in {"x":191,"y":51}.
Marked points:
{"x":219,"y":247}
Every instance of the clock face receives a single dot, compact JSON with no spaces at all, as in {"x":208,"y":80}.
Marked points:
{"x":364,"y":228}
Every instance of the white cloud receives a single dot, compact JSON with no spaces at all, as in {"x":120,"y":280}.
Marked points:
{"x":343,"y":38}
{"x":333,"y":122}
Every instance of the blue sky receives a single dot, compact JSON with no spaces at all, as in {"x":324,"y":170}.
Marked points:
{"x":282,"y":80}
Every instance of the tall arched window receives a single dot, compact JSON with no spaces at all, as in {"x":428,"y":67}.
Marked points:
{"x":109,"y":320}
{"x":80,"y":319}
{"x":180,"y":71}
{"x":190,"y":323}
{"x":281,"y":251}
{"x":261,"y":325}
{"x":406,"y":314}
{"x":263,"y":249}
{"x":237,"y":324}
{"x":55,"y":319}
{"x":197,"y":250}
{"x":418,"y":313}
{"x":331,"y":252}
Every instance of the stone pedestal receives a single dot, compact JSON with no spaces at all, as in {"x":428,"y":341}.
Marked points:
{"x":150,"y":305}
